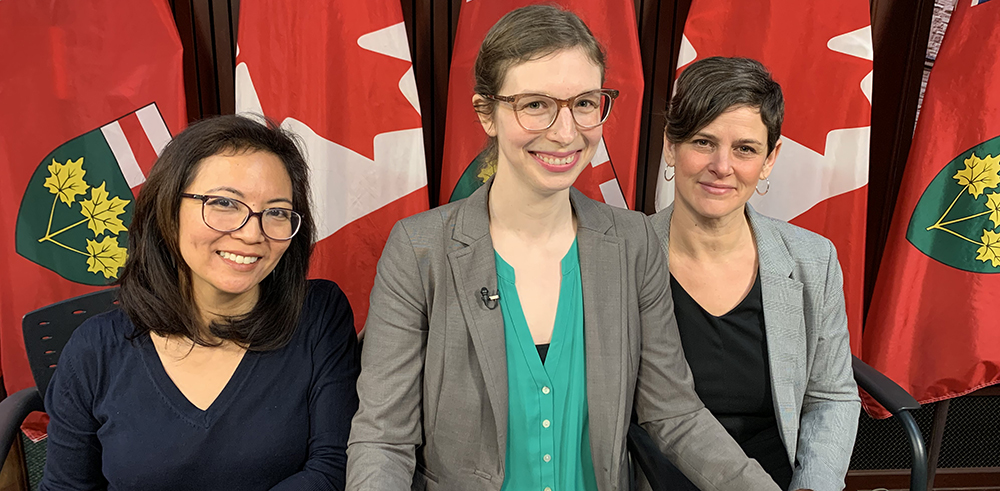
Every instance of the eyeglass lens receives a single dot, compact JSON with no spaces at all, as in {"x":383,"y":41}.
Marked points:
{"x":538,"y":112}
{"x":227,"y":215}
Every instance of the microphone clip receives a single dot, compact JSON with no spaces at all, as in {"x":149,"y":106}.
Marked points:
{"x":490,"y":301}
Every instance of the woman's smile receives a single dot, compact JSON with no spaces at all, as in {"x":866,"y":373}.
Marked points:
{"x":557,"y":161}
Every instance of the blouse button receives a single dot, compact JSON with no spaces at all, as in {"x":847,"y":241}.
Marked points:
{"x":546,"y":423}
{"x":548,"y":489}
{"x":545,"y":390}
{"x":547,"y":457}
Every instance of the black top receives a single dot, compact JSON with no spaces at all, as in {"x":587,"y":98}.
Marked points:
{"x":281,"y":422}
{"x":728,"y":359}
{"x":543,"y":349}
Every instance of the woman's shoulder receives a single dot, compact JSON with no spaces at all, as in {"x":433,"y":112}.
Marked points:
{"x":323,"y":290}
{"x":798,"y":241}
{"x":437,"y":218}
{"x":100,"y":340}
{"x":324,"y":298}
{"x":108,"y":330}
{"x":623,"y":222}
{"x":326,"y":307}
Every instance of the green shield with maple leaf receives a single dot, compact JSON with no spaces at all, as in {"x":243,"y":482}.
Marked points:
{"x":75,"y":212}
{"x":475,"y":175}
{"x":956,"y":220}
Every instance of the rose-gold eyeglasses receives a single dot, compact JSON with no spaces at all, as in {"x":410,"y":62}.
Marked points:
{"x":538,"y":112}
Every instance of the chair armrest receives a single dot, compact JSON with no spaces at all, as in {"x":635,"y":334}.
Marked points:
{"x":645,"y":453}
{"x":13,"y":409}
{"x":886,"y":392}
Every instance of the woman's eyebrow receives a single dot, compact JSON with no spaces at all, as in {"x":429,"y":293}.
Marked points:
{"x":227,"y":189}
{"x":748,"y":141}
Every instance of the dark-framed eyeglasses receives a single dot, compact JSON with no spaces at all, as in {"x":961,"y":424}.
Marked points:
{"x":225,"y":214}
{"x":538,"y":112}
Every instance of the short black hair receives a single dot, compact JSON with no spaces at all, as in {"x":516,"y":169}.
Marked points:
{"x":707,"y":88}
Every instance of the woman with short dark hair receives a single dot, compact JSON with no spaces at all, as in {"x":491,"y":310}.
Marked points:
{"x":759,"y":302}
{"x":224,"y":368}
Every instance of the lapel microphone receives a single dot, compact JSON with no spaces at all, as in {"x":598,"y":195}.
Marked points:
{"x":490,"y":301}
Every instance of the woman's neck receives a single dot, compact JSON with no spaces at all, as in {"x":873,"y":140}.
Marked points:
{"x":698,"y":238}
{"x":215,"y":305}
{"x":517,"y":210}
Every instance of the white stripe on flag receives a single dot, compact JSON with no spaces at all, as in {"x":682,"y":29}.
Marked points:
{"x":156,"y":130}
{"x":601,"y":155}
{"x":123,"y":153}
{"x":612,"y":193}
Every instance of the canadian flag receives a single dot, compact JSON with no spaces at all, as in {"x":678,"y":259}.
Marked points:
{"x":339,"y":75}
{"x":821,"y":54}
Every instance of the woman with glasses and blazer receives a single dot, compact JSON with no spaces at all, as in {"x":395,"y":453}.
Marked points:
{"x":509,"y":333}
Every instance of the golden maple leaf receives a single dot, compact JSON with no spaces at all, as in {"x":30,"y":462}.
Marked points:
{"x":979,"y":174}
{"x":105,"y":256}
{"x":66,"y":180}
{"x":993,"y":204}
{"x":103,"y":213}
{"x":487,"y":172}
{"x":990,"y":250}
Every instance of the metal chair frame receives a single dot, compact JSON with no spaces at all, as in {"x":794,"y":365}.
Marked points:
{"x":646,"y":455}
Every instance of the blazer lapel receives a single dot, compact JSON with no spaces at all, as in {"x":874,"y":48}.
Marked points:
{"x":783,"y":319}
{"x":784,"y":325}
{"x":602,"y":264}
{"x":474,"y":268}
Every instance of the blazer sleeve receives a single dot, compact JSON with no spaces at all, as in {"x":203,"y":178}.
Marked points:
{"x":666,"y":403}
{"x":829,"y":419}
{"x":381,"y":453}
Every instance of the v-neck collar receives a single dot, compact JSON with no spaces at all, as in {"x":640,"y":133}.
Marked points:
{"x":753,"y":291}
{"x":176,"y":399}
{"x":568,"y":265}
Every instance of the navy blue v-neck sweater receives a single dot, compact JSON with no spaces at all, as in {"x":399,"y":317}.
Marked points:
{"x":282,"y":422}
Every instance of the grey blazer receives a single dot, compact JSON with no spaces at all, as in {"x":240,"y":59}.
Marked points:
{"x":433,"y":385}
{"x":815,"y":397}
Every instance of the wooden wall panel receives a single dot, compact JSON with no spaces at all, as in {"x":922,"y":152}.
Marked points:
{"x":207,"y":30}
{"x":900,"y":29}
{"x":661,"y":24}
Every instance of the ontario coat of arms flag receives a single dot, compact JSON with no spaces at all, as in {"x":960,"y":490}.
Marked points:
{"x":932,"y":324}
{"x":74,"y":211}
{"x":89,"y":92}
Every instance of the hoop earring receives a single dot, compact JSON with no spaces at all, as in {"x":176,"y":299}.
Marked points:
{"x":766,"y":189}
{"x":671,"y":178}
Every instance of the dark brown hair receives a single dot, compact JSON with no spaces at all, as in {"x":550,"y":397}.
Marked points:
{"x":707,"y":88}
{"x":155,"y":283}
{"x":526,"y":34}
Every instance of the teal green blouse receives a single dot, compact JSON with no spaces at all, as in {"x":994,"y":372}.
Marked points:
{"x":548,"y":428}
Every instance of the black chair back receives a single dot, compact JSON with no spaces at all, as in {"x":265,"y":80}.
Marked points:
{"x":48,"y":329}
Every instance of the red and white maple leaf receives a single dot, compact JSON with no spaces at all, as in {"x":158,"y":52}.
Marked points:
{"x":821,"y":86}
{"x":332,"y":74}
